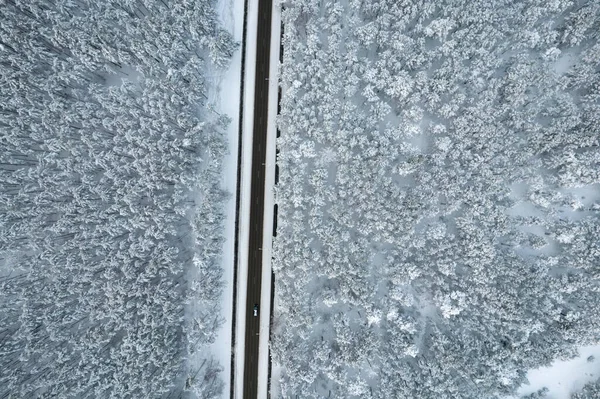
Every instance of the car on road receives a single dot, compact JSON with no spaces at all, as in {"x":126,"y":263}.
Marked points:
{"x":255,"y":311}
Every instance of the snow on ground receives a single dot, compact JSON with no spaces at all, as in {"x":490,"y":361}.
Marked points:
{"x":275,"y":368}
{"x":275,"y":375}
{"x":246,"y":166}
{"x":267,"y":247}
{"x":563,"y":378}
{"x":226,"y":98}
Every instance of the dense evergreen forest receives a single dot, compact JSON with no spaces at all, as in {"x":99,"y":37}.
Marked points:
{"x":439,"y":195}
{"x":110,"y":204}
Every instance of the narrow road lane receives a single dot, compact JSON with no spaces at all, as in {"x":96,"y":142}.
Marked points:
{"x":259,"y":147}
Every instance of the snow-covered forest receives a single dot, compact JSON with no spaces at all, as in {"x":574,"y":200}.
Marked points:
{"x":439,"y":195}
{"x":110,"y":206}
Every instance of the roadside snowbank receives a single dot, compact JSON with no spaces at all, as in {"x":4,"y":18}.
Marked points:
{"x":246,"y":177}
{"x":226,"y":98}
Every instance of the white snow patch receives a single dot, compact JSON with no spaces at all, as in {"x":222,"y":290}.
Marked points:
{"x":564,"y":377}
{"x":525,"y":209}
{"x":275,"y":376}
{"x":120,"y":74}
{"x":563,"y":63}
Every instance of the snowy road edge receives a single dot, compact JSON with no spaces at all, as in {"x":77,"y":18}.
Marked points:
{"x":246,"y":165}
{"x":227,"y":98}
{"x":265,"y":300}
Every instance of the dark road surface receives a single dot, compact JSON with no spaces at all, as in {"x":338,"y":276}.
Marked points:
{"x":257,"y":195}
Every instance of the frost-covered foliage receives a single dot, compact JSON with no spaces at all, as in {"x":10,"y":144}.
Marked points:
{"x":539,"y":394}
{"x":589,"y":391}
{"x":439,"y":195}
{"x":110,"y":206}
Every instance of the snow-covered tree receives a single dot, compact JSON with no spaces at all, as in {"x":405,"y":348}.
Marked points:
{"x":437,"y":197}
{"x":110,"y":203}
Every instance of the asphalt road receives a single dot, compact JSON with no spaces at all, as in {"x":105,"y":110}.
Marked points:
{"x":257,"y":193}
